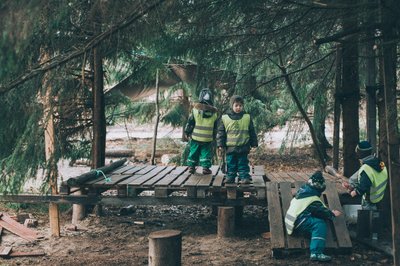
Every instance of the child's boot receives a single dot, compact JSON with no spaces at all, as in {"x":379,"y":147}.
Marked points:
{"x":206,"y":171}
{"x":192,"y":169}
{"x":320,"y":257}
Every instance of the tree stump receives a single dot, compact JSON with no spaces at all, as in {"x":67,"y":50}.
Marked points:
{"x":78,"y":210}
{"x":226,"y":221}
{"x":165,"y":248}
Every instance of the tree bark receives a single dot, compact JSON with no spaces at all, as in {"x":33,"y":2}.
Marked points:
{"x":337,"y":109}
{"x":165,"y":248}
{"x":99,"y":119}
{"x":50,"y":146}
{"x":389,"y":19}
{"x":350,"y":100}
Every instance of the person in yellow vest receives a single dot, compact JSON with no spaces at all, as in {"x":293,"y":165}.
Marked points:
{"x":236,"y":135}
{"x":201,"y":128}
{"x":371,"y":179}
{"x":307,"y":214}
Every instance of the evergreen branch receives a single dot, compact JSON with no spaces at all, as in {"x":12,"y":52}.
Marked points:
{"x":63,"y":58}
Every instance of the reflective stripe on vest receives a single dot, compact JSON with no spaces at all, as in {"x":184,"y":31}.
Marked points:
{"x":204,"y":127}
{"x":378,"y":180}
{"x":296,"y":207}
{"x":237,"y":131}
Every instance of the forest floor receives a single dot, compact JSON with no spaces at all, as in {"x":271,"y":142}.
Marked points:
{"x":115,"y":239}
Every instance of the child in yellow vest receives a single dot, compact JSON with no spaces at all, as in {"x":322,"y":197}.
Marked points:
{"x":307,"y":215}
{"x":236,"y":135}
{"x":201,"y":128}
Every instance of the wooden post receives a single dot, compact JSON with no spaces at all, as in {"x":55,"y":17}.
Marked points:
{"x":226,"y":222}
{"x":78,"y":210}
{"x":165,"y":248}
{"x":153,"y":152}
{"x":49,"y":138}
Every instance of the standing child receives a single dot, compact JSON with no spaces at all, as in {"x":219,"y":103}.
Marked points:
{"x":236,"y":135}
{"x":307,"y":215}
{"x":201,"y":128}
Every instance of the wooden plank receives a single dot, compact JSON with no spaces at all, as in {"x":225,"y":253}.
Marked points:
{"x":259,"y":185}
{"x":217,"y":181}
{"x":259,"y":170}
{"x":342,"y":233}
{"x":139,"y":181}
{"x":114,"y":179}
{"x":159,"y":176}
{"x":13,"y":226}
{"x":286,"y":196}
{"x":168,"y":179}
{"x":181,"y":180}
{"x":205,"y":182}
{"x":122,"y":169}
{"x":191,"y":184}
{"x":275,"y":215}
{"x":141,"y":170}
{"x":5,"y":251}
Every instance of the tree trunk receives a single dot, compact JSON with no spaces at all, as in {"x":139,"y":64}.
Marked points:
{"x":99,"y":119}
{"x":337,"y":110}
{"x":320,"y":111}
{"x":153,"y":152}
{"x":350,"y":100}
{"x":389,"y":77}
{"x":49,"y":137}
{"x":382,"y":146}
{"x":370,"y":82}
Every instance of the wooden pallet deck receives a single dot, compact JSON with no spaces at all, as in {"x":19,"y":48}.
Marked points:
{"x":131,"y":180}
{"x":279,"y":195}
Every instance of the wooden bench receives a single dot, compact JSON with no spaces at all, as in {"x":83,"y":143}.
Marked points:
{"x":279,"y":196}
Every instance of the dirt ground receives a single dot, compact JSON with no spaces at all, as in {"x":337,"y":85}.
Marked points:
{"x":115,"y":239}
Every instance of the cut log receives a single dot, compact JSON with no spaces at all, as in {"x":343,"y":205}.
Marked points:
{"x":82,"y":179}
{"x":226,"y":221}
{"x":120,"y":153}
{"x":165,"y":248}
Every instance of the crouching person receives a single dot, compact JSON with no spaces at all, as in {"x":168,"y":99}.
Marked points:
{"x":307,"y":214}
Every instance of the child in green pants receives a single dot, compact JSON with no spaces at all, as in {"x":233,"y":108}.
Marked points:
{"x":236,"y":135}
{"x":201,"y":128}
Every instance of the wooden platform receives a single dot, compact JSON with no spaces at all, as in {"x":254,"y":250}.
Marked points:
{"x":279,"y":195}
{"x":132,"y":180}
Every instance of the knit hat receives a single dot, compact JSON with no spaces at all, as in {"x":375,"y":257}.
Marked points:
{"x":363,"y":149}
{"x":317,"y":181}
{"x":206,"y":96}
{"x":236,"y":99}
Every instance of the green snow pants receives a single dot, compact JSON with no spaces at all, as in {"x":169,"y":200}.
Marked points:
{"x":200,"y":151}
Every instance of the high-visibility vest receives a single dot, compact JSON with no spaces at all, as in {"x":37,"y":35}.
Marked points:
{"x":237,"y":131}
{"x":204,"y":127}
{"x":378,"y":180}
{"x":296,"y":207}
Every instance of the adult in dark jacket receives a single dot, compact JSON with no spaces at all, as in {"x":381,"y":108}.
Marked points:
{"x":307,"y":215}
{"x":236,"y":135}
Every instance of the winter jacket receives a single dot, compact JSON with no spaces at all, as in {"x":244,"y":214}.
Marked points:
{"x":221,"y":135}
{"x":315,"y":209}
{"x":364,"y":182}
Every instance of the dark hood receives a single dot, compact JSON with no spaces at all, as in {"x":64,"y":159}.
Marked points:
{"x":235,"y":116}
{"x":307,"y":191}
{"x":374,"y":162}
